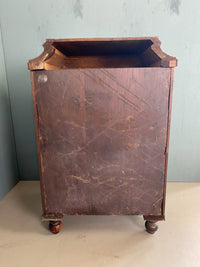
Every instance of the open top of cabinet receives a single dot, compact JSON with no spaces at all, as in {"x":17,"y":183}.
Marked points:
{"x":102,"y":53}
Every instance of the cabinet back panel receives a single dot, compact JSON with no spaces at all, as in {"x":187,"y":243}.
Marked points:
{"x":102,"y":136}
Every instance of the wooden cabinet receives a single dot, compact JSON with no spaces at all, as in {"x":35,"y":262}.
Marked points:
{"x":102,"y":117}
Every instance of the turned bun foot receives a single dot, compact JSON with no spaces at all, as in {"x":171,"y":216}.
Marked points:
{"x":151,"y":227}
{"x":55,"y":226}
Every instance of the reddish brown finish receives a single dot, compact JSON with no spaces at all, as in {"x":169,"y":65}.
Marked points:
{"x":102,"y":53}
{"x":55,"y":226}
{"x":98,"y":136}
{"x":102,"y":133}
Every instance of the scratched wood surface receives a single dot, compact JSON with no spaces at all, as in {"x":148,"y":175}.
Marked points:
{"x":102,"y":137}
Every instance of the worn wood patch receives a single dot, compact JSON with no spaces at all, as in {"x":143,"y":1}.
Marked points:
{"x":102,"y":137}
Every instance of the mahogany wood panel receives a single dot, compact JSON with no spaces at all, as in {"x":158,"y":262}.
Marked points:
{"x":102,"y":139}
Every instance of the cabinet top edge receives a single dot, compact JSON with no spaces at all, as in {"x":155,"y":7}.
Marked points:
{"x":153,"y":38}
{"x":69,"y":48}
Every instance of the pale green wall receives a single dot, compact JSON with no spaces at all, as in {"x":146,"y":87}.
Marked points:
{"x":27,"y":23}
{"x":8,"y":165}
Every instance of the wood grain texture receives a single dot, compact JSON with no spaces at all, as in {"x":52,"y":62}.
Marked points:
{"x":102,"y":137}
{"x":102,"y":53}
